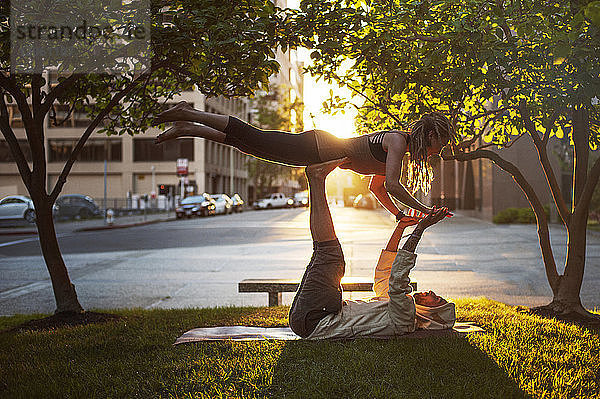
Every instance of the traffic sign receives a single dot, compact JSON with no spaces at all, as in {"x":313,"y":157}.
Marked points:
{"x":182,"y":166}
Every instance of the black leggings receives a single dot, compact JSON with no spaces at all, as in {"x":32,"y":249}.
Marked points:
{"x":273,"y":145}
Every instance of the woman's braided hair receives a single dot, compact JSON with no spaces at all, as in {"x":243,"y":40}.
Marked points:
{"x":420,"y":173}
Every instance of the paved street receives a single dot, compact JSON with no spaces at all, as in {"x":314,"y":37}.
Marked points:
{"x":198,"y":262}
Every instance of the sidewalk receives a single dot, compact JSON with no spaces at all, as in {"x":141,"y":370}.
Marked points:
{"x":15,"y":228}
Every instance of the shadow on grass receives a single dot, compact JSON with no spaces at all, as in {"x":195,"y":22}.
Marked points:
{"x":134,"y":357}
{"x":441,"y":367}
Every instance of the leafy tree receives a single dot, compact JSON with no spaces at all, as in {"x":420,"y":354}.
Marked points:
{"x":501,"y":70}
{"x":220,"y":48}
{"x":273,"y":112}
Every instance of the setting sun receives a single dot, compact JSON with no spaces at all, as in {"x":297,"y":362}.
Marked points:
{"x":342,"y":123}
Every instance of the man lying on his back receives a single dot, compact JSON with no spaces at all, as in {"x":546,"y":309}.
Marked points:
{"x":318,"y":311}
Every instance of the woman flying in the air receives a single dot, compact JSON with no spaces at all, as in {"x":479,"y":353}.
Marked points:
{"x":379,"y":154}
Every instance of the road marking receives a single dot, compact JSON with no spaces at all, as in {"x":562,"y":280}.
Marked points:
{"x":26,"y":289}
{"x":6,"y":244}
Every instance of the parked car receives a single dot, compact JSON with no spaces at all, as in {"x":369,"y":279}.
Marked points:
{"x":224,"y":204}
{"x":301,"y":198}
{"x":76,"y":205}
{"x":238,"y":203}
{"x":365,"y":201}
{"x":196,"y":205}
{"x":275,"y":200}
{"x":17,"y":207}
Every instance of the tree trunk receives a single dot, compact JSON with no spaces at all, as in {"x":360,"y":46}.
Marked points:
{"x":566,"y":300}
{"x":64,"y":290}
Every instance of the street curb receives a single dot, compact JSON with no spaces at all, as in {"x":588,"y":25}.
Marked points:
{"x":121,"y":226}
{"x":20,"y":233}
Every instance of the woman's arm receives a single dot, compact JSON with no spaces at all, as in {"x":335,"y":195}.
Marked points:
{"x":393,"y":168}
{"x":377,"y":187}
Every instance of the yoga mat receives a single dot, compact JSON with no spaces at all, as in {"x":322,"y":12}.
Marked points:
{"x":245,"y":333}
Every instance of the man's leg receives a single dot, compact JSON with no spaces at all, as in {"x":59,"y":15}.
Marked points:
{"x":320,"y":292}
{"x":321,"y":225}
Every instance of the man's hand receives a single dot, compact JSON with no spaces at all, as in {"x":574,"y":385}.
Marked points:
{"x":436,"y":215}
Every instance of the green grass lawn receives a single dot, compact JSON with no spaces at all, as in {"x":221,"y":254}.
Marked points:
{"x":519,"y":355}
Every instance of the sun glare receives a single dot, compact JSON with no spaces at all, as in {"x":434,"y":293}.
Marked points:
{"x":315,"y":93}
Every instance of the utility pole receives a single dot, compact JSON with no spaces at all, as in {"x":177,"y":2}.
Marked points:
{"x":153,"y":192}
{"x":105,"y":182}
{"x":231,"y":170}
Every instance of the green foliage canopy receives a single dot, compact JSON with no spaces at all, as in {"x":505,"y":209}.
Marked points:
{"x":221,"y":48}
{"x":403,"y":58}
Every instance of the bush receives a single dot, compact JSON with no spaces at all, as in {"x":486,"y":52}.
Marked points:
{"x":525,"y":215}
{"x":518,"y":215}
{"x":508,"y":215}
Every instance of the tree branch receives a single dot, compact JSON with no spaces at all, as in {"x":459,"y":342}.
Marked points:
{"x":538,"y":142}
{"x":581,"y":134}
{"x":35,"y":135}
{"x":381,"y":107}
{"x":588,"y":190}
{"x":62,"y":179}
{"x":8,"y":83}
{"x":69,"y":112}
{"x":58,"y":91}
{"x":13,"y":143}
{"x":466,"y":144}
{"x":418,"y":36}
{"x":488,"y":112}
{"x":551,"y":123}
{"x":503,"y":25}
{"x":538,"y":209}
{"x":514,"y":141}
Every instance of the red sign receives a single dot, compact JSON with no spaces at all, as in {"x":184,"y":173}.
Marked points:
{"x":182,"y":166}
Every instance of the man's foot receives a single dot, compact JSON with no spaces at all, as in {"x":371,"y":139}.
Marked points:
{"x":178,"y":130}
{"x":178,"y":112}
{"x":321,"y":170}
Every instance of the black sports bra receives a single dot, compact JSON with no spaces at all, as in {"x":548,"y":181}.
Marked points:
{"x":376,"y":144}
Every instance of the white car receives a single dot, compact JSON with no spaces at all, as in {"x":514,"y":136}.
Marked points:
{"x":301,"y":198}
{"x":224,"y":204}
{"x":17,"y":207}
{"x":275,"y":200}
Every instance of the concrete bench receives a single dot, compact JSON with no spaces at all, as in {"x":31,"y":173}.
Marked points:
{"x":274,"y":287}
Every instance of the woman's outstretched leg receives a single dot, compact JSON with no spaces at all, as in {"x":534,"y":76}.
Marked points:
{"x":189,"y":129}
{"x":271,"y":145}
{"x":183,"y":111}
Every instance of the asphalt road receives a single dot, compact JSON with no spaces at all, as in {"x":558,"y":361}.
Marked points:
{"x":198,"y":262}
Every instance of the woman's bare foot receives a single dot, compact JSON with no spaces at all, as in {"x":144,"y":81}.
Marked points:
{"x":321,"y":170}
{"x":179,"y":112}
{"x":178,"y":130}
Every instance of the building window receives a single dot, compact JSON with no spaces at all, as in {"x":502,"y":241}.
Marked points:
{"x":94,"y":150}
{"x":6,"y":154}
{"x":77,"y":118}
{"x":14,"y":116}
{"x":144,"y":150}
